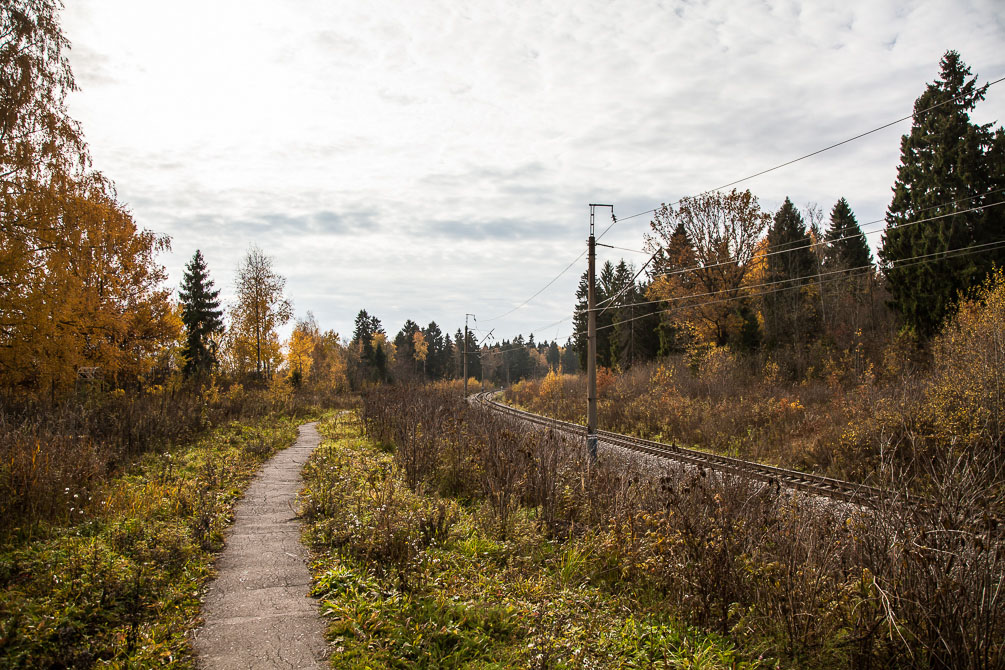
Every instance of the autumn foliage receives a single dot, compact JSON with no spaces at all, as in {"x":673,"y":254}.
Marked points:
{"x":79,"y":283}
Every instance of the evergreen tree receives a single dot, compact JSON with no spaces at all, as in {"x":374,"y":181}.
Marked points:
{"x":789,"y":315}
{"x":458,"y":354}
{"x":447,"y":371}
{"x":580,"y":320}
{"x":634,"y":337}
{"x":517,"y":360}
{"x":846,"y":298}
{"x":846,"y":247}
{"x":404,"y":345}
{"x":947,"y":164}
{"x":365,"y":328}
{"x":673,"y":276}
{"x":436,"y":362}
{"x":554,"y":356}
{"x":201,"y":315}
{"x":570,"y":361}
{"x":605,"y":289}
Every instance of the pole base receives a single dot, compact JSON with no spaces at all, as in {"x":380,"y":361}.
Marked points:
{"x":591,"y":446}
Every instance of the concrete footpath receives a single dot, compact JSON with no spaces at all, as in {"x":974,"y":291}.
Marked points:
{"x":258,"y":612}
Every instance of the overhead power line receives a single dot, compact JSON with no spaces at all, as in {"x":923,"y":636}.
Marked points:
{"x":796,"y":160}
{"x":811,"y":280}
{"x":799,"y":243}
{"x":729,"y":184}
{"x":814,"y":153}
{"x":812,"y":245}
{"x":610,"y":301}
{"x":541,"y":290}
{"x":818,"y":275}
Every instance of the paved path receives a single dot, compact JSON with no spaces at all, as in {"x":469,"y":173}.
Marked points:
{"x":258,"y":613}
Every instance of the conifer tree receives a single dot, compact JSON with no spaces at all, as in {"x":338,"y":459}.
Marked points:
{"x":570,"y":361}
{"x":554,"y":356}
{"x":635,"y":335}
{"x":201,"y":315}
{"x":580,"y":318}
{"x":947,"y":164}
{"x":789,"y":316}
{"x":673,"y":277}
{"x":846,"y":247}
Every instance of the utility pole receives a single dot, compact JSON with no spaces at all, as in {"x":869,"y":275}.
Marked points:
{"x":464,"y":350}
{"x":481,"y":366}
{"x":591,"y":335}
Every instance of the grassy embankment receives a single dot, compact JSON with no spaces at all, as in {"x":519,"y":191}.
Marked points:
{"x":873,"y":414}
{"x":416,"y":577}
{"x":109,"y":538}
{"x":451,"y":537}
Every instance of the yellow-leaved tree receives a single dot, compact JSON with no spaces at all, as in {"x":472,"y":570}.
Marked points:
{"x":420,"y":349}
{"x":259,"y":309}
{"x":321,"y":357}
{"x":704,"y":256}
{"x":80,"y":288}
{"x":300,"y":354}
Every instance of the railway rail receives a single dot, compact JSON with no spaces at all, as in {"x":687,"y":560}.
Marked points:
{"x":836,"y":489}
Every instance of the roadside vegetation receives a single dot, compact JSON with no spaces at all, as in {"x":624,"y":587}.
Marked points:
{"x":422,"y":563}
{"x":891,"y":421}
{"x":445,"y":536}
{"x":106,"y":569}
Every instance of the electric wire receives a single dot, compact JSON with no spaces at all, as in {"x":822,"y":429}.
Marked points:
{"x":812,"y":245}
{"x":818,"y":151}
{"x":542,"y":289}
{"x":809,"y":280}
{"x":796,"y":160}
{"x":798,"y":243}
{"x":733,"y":183}
{"x":809,"y":245}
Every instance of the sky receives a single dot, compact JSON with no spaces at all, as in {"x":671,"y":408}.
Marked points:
{"x":428,"y":159}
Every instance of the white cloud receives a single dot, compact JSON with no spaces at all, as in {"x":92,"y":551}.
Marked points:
{"x":438,"y":157}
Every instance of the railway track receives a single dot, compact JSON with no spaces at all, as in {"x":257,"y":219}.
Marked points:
{"x":836,"y":489}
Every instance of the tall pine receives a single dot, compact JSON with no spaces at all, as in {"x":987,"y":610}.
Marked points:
{"x":201,"y":315}
{"x":846,"y":247}
{"x":789,"y":314}
{"x":947,"y":164}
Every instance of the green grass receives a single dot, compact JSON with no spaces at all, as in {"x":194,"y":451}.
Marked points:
{"x":120,"y":586}
{"x":408,"y":579}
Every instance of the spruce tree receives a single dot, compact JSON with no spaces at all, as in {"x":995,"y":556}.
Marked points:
{"x":947,"y":164}
{"x":580,"y":318}
{"x":201,"y":315}
{"x":554,"y":356}
{"x":846,"y":247}
{"x":789,"y":316}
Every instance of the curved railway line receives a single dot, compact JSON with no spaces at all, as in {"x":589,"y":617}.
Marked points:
{"x":816,"y":484}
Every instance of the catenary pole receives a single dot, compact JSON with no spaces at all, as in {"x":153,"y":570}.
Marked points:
{"x":464,"y":351}
{"x":591,"y":335}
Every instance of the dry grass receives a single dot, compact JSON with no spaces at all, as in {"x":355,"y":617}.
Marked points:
{"x":790,"y":577}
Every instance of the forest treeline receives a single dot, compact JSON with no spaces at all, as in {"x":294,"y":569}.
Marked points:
{"x":803,"y":284}
{"x":84,"y":303}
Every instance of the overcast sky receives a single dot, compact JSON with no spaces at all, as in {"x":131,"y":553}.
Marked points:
{"x":425,"y":159}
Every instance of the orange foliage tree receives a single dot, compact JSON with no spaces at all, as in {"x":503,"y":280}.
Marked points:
{"x":79,"y":283}
{"x":705,"y":249}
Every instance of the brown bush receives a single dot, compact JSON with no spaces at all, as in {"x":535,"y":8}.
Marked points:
{"x":50,"y":452}
{"x":817,"y":583}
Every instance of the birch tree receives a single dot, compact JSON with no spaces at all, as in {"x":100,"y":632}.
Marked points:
{"x":260,"y":308}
